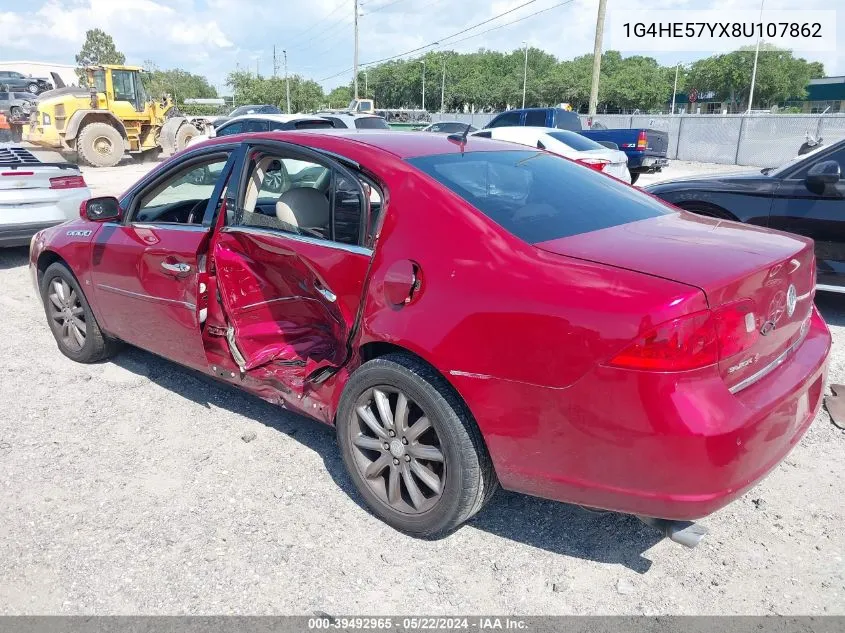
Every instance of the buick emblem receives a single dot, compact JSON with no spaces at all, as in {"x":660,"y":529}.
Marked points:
{"x":791,"y":300}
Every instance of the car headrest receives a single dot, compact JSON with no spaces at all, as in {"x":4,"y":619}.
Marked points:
{"x":303,"y":207}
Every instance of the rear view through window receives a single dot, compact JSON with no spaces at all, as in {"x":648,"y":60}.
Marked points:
{"x":536,"y":196}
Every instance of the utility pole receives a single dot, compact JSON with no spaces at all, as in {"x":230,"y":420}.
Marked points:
{"x":287,"y":79}
{"x":525,"y":74}
{"x":423,"y":78}
{"x":443,"y":88}
{"x":594,"y":89}
{"x":355,"y":59}
{"x":675,"y":88}
{"x":756,"y":55}
{"x":275,"y":64}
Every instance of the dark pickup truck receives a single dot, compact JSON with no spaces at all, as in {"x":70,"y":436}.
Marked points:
{"x":646,"y":149}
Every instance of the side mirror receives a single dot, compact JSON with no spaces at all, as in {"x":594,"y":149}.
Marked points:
{"x":103,"y":209}
{"x":824,"y":173}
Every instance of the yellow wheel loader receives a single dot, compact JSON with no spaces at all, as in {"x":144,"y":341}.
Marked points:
{"x":111,"y":117}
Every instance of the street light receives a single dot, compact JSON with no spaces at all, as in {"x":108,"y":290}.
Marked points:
{"x":756,"y":55}
{"x":423,"y":85}
{"x":525,"y":73}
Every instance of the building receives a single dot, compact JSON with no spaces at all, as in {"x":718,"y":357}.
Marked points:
{"x":43,"y":69}
{"x":825,"y":92}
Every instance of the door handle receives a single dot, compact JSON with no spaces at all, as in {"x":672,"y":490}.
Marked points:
{"x":328,"y":294}
{"x":179,"y":268}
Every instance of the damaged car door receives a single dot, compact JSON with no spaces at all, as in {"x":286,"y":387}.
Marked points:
{"x":290,"y":266}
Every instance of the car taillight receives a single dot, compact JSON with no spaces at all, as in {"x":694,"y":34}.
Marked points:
{"x":692,"y":341}
{"x":688,"y":342}
{"x":67,"y":182}
{"x":594,"y":163}
{"x":642,"y":141}
{"x":736,"y":327}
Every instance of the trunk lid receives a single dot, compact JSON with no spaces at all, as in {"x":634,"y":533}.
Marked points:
{"x":24,"y":179}
{"x":657,"y":143}
{"x":730,"y":262}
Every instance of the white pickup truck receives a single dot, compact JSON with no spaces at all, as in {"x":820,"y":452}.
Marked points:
{"x":35,"y":195}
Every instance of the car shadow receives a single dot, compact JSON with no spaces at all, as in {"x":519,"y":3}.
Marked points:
{"x":14,"y":257}
{"x":832,"y":307}
{"x":555,"y":527}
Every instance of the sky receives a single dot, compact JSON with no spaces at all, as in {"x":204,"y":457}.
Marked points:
{"x":214,"y":37}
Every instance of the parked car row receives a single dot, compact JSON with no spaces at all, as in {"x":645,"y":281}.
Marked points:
{"x":511,"y":318}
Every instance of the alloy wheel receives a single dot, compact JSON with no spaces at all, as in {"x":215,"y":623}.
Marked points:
{"x":67,"y":314}
{"x":397,"y":450}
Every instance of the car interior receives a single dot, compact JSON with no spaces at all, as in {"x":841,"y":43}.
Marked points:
{"x":302,"y":197}
{"x":284,"y":194}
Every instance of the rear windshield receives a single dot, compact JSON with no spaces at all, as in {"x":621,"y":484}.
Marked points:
{"x":371,"y":123}
{"x":576,"y":141}
{"x":538,"y":196}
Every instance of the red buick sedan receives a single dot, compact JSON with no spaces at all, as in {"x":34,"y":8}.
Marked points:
{"x":466,"y":313}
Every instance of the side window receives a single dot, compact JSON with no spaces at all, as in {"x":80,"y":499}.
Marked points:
{"x":277,"y":125}
{"x":535,"y":118}
{"x":124,"y":85}
{"x":336,"y":122}
{"x":838,"y":156}
{"x":233,"y":128}
{"x":180,"y":198}
{"x":301,"y":197}
{"x":100,"y":80}
{"x":503,"y":120}
{"x":255,"y":125}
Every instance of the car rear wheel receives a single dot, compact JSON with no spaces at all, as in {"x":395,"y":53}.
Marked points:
{"x":70,"y":317}
{"x":411,"y":447}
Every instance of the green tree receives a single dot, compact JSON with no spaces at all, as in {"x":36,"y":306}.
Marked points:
{"x":341,"y":96}
{"x":780,"y":76}
{"x":176,"y":82}
{"x":306,"y":95}
{"x":99,"y":48}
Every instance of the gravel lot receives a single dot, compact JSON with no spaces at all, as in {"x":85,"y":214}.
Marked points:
{"x":129,"y":487}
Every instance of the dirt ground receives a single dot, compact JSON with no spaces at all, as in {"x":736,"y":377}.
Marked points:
{"x":128,"y":487}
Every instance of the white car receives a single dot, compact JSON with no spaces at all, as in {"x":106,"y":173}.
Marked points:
{"x":35,"y":195}
{"x":567,"y":144}
{"x":264,"y":123}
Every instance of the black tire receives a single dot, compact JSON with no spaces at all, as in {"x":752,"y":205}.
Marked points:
{"x":33,"y":88}
{"x":100,"y":145}
{"x":635,"y":177}
{"x":184,"y":134}
{"x":470,"y":480}
{"x":96,"y":346}
{"x":15,"y":111}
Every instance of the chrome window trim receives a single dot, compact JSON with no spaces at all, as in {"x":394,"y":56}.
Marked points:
{"x":829,"y":288}
{"x":777,"y":362}
{"x":252,"y":230}
{"x":196,"y":228}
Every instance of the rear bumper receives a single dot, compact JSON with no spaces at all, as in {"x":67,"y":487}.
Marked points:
{"x":660,"y":445}
{"x":21,"y":234}
{"x":22,"y":218}
{"x":646,"y":164}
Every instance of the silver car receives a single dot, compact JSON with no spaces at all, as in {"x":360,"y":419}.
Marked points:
{"x":35,"y":195}
{"x":16,"y":104}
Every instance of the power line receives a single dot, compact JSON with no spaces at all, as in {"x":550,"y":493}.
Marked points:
{"x":383,"y":6}
{"x":501,"y":26}
{"x":298,"y":38}
{"x":415,"y":50}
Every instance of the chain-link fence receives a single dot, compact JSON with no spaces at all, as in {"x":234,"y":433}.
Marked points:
{"x":761,"y":140}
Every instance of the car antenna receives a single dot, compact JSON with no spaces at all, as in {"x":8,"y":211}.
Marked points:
{"x":461,"y":138}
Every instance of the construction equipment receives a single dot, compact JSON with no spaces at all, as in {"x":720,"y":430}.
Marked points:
{"x":111,"y":117}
